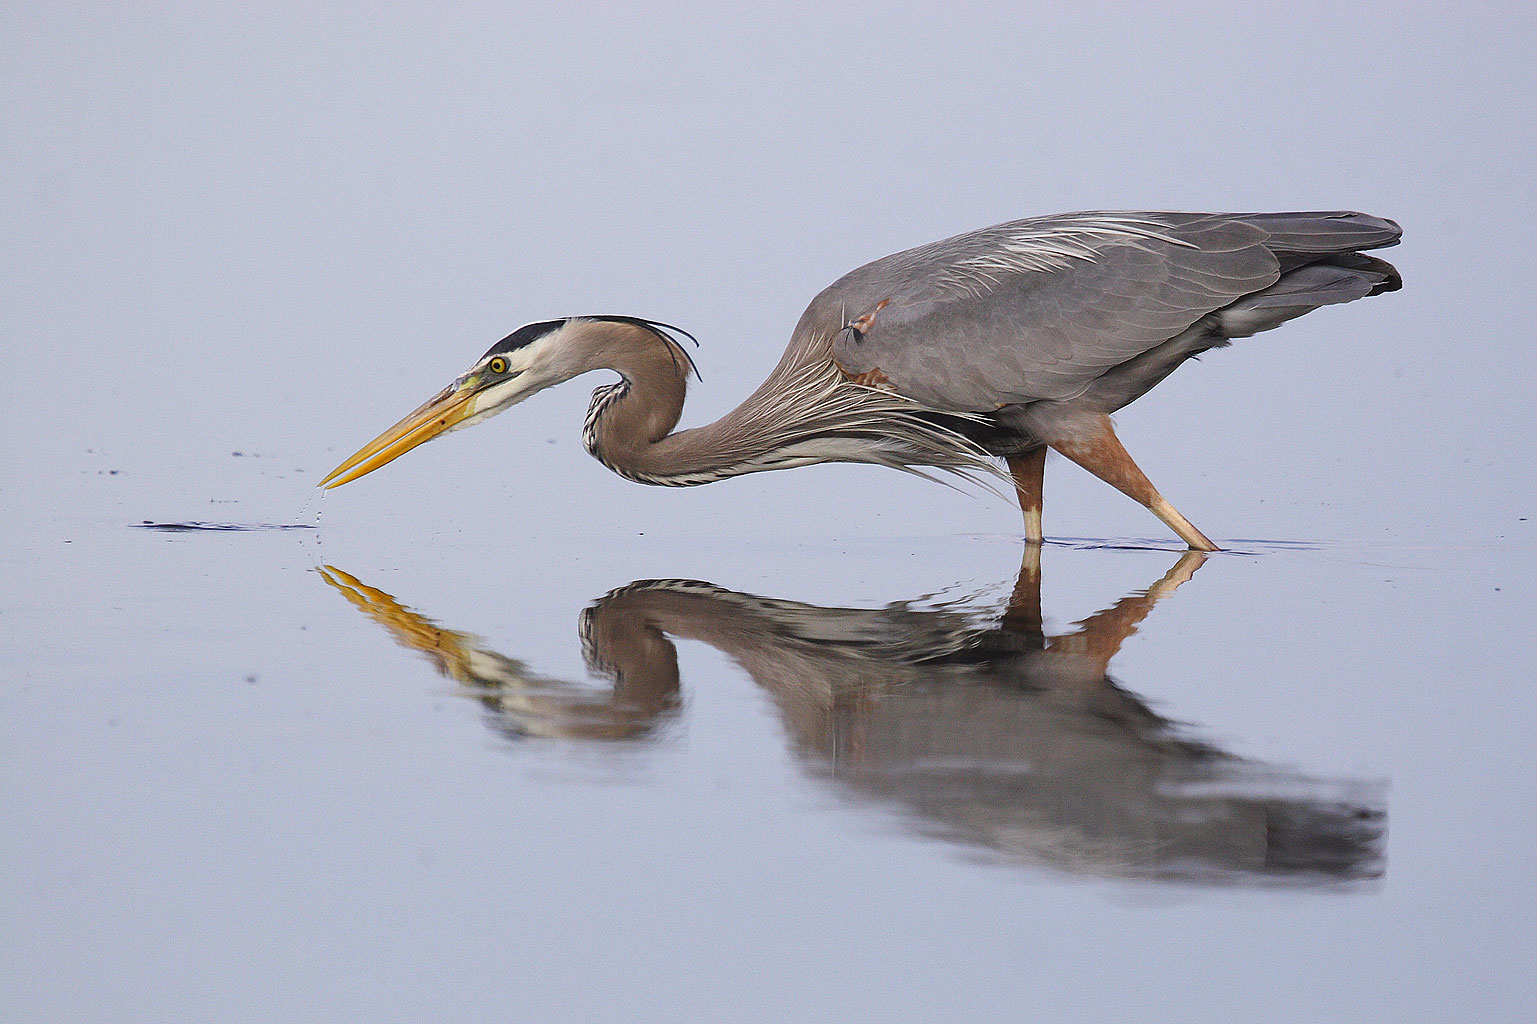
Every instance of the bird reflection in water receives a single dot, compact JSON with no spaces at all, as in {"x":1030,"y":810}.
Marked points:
{"x":988,"y":734}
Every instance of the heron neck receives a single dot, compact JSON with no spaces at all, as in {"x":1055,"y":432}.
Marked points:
{"x":804,"y":413}
{"x":630,"y":423}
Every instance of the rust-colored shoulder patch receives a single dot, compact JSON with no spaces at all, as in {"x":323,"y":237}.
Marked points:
{"x":867,"y":321}
{"x":871,"y":378}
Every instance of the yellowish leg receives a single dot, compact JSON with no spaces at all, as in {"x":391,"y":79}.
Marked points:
{"x":1028,"y":471}
{"x":1100,"y":452}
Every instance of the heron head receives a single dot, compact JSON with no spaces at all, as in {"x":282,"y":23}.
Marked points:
{"x":526,"y":361}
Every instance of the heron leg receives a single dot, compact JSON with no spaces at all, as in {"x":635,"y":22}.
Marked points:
{"x":1099,"y":451}
{"x":1028,"y":471}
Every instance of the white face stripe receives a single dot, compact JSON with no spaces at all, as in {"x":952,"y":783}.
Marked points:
{"x":529,"y":371}
{"x":539,"y":364}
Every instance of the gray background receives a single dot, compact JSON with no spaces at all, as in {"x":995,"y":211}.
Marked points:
{"x":274,"y":232}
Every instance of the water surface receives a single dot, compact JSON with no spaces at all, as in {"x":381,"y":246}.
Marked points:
{"x":503,"y":736}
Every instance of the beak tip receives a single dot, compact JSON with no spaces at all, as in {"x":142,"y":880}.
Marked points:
{"x":437,"y":415}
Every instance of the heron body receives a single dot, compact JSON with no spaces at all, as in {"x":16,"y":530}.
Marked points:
{"x":998,"y":343}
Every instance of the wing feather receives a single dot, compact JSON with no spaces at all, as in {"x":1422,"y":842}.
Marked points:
{"x":1039,"y":309}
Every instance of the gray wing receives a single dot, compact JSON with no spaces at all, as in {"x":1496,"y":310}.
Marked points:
{"x":1040,"y":308}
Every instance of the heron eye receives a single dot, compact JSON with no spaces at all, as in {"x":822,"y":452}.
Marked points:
{"x":498,"y":365}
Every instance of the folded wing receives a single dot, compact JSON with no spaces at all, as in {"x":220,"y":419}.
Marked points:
{"x":1039,"y":309}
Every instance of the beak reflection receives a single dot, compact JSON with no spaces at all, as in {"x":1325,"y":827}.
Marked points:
{"x":978,"y":728}
{"x":519,"y":701}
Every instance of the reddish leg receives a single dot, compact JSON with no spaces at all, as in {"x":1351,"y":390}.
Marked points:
{"x":1099,"y":451}
{"x":1028,"y":470}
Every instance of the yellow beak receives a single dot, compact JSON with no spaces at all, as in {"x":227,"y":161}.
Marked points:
{"x":448,"y":407}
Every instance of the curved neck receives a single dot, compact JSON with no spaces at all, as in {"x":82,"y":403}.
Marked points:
{"x":628,"y":419}
{"x":629,"y":423}
{"x":805,"y":412}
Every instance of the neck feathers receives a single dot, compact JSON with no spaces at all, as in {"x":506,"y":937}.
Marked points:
{"x":627,"y":418}
{"x":806,"y":412}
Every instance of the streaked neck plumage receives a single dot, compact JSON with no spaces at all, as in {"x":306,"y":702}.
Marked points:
{"x":806,"y":412}
{"x":630,"y":418}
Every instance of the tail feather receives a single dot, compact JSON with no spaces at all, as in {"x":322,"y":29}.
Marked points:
{"x":1386,"y":275}
{"x":1343,"y":277}
{"x":1321,"y":265}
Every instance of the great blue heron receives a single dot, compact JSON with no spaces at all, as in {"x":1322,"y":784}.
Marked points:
{"x":1001,"y":342}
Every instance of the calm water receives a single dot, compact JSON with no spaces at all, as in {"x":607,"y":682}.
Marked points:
{"x":493,"y":734}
